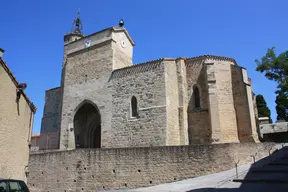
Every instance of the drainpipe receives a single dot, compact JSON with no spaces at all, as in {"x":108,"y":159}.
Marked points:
{"x":30,"y":130}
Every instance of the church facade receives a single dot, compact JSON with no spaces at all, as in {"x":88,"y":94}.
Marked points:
{"x":106,"y":101}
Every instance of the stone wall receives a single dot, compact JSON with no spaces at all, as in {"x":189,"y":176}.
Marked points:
{"x":253,"y":135}
{"x":16,"y":121}
{"x":198,"y":119}
{"x":50,"y":127}
{"x":172,"y":103}
{"x":34,"y":142}
{"x":227,"y":115}
{"x":183,"y":101}
{"x":92,"y":169}
{"x":147,"y":83}
{"x":244,"y":105}
{"x":49,"y":140}
{"x":123,"y":50}
{"x":87,"y":73}
{"x":240,"y":102}
{"x":86,"y":77}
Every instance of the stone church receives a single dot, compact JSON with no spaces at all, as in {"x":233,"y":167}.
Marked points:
{"x":106,"y":101}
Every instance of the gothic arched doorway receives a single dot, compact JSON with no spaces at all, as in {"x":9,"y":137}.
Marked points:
{"x":87,"y":126}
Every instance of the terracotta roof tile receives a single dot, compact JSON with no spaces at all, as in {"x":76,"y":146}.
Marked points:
{"x":213,"y":57}
{"x":36,"y":135}
{"x":141,"y":66}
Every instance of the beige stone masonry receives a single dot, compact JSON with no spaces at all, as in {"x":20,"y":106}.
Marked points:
{"x":251,"y":134}
{"x":213,"y":103}
{"x":172,"y":103}
{"x":183,"y":101}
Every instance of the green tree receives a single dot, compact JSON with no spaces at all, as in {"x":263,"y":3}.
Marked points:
{"x":275,"y":68}
{"x":263,"y":110}
{"x":281,"y":106}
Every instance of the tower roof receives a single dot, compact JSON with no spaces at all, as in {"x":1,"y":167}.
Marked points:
{"x":77,"y":26}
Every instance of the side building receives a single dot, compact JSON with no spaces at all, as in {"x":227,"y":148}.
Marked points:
{"x":16,"y":121}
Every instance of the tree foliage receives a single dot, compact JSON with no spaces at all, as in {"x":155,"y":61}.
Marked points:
{"x":281,"y":106}
{"x":275,"y":68}
{"x":263,"y":110}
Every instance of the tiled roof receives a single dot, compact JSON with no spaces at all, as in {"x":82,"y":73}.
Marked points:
{"x":221,"y":58}
{"x":9,"y":72}
{"x":138,"y":68}
{"x":187,"y":58}
{"x":145,"y":66}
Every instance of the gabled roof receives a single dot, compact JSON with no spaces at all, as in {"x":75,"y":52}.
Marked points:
{"x":9,"y":72}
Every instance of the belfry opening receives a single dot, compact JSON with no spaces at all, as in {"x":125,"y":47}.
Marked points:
{"x":87,"y":126}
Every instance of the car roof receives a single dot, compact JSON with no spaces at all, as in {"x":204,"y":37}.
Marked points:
{"x":10,"y":179}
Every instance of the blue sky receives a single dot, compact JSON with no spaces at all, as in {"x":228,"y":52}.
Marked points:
{"x":32,"y":34}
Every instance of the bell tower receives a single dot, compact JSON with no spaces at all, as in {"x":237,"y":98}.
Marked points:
{"x":87,"y":66}
{"x":76,"y":31}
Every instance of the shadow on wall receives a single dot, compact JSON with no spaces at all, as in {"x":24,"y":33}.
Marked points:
{"x":281,"y":137}
{"x":199,"y":128}
{"x":267,"y":174}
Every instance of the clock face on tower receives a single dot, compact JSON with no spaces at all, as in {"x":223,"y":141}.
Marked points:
{"x":123,"y":43}
{"x":88,"y":43}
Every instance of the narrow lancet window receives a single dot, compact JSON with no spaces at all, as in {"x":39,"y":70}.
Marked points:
{"x":134,"y":108}
{"x":196,"y":97}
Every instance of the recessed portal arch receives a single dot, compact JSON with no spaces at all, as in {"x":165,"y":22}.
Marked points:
{"x":87,"y":125}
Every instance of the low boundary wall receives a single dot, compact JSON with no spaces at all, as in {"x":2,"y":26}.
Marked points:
{"x":98,"y":169}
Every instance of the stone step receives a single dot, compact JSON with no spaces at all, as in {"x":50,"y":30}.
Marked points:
{"x":250,"y":187}
{"x":263,"y":178}
{"x":279,"y":163}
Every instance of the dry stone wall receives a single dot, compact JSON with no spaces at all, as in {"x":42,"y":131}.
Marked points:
{"x":98,"y":169}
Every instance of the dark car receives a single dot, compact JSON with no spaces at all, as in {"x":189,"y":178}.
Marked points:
{"x":13,"y":185}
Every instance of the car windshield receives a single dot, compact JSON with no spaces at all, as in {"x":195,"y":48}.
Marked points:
{"x":3,"y":186}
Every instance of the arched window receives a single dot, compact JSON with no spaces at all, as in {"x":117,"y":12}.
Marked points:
{"x":196,"y":97}
{"x":87,"y":126}
{"x":134,"y":108}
